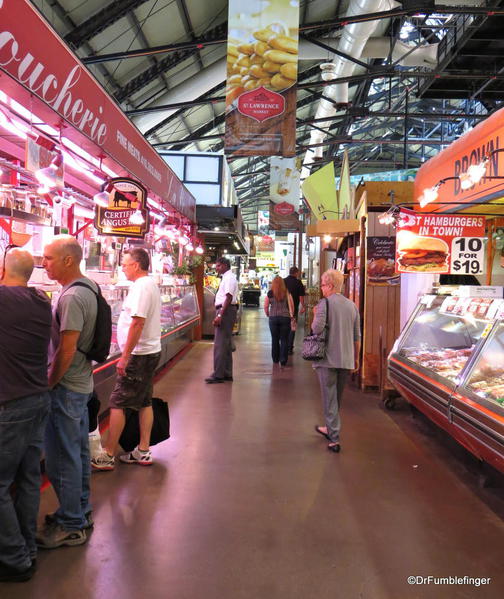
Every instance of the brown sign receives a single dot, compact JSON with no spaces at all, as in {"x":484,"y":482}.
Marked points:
{"x":126,"y":213}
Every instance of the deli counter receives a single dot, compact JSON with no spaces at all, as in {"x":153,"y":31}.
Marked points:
{"x":449,"y":363}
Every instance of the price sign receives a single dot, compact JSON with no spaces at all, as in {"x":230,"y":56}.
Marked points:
{"x":440,"y":243}
{"x":468,"y":255}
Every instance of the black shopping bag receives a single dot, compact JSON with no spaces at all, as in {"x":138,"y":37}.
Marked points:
{"x":160,"y":428}
{"x":93,"y":411}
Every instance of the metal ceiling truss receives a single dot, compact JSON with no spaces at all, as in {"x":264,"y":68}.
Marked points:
{"x":100,"y":21}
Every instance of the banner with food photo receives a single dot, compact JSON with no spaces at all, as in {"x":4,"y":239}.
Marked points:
{"x":440,"y":243}
{"x":380,"y":261}
{"x":262,"y":62}
{"x":284,"y":193}
{"x":263,"y":220}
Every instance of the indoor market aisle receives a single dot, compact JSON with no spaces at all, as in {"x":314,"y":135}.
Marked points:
{"x":245,"y":502}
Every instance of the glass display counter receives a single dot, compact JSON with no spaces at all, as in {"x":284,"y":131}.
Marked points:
{"x":449,"y":363}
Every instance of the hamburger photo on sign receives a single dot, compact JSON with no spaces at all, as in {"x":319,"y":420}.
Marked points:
{"x":421,"y":254}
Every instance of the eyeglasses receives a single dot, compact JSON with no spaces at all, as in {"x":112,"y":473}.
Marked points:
{"x":11,"y":246}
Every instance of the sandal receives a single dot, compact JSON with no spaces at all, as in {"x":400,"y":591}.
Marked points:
{"x":319,"y":430}
{"x":336,"y":447}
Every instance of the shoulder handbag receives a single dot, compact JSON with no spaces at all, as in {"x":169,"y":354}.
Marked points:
{"x":314,"y":346}
{"x":130,"y":436}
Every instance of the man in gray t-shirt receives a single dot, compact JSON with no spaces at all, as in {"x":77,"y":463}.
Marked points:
{"x":71,"y":384}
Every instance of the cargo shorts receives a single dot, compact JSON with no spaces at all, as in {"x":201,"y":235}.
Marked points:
{"x":134,"y":389}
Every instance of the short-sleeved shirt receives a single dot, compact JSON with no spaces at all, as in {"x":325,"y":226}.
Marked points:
{"x":76,"y":310}
{"x":228,"y":284}
{"x":143,"y":300}
{"x":344,"y":331}
{"x":278,"y":307}
{"x":25,"y":330}
{"x":296,"y":289}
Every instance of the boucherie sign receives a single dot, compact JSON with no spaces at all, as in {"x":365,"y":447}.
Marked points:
{"x":440,"y":243}
{"x":32,"y":54}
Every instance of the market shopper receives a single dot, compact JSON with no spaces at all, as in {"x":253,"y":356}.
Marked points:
{"x":25,"y":330}
{"x":71,"y":385}
{"x":297,"y":291}
{"x":342,"y":351}
{"x":139,"y":337}
{"x":226,"y":307}
{"x":279,"y":308}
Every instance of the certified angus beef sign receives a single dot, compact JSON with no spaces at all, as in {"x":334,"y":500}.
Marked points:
{"x":126,"y":213}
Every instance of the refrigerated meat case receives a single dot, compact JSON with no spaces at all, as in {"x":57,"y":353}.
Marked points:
{"x":179,"y":315}
{"x":449,"y":363}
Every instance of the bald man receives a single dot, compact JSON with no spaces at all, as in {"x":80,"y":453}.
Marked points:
{"x":71,"y":384}
{"x":25,"y":328}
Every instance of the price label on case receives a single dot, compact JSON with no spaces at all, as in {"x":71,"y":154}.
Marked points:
{"x":468,"y":255}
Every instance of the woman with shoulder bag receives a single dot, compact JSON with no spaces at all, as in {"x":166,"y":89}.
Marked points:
{"x":342,"y":351}
{"x":279,"y":308}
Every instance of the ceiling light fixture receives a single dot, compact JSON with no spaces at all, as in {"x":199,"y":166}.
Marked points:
{"x":137,"y":218}
{"x":48,"y":176}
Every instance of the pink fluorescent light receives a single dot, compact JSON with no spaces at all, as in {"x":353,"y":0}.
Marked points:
{"x":81,"y":168}
{"x":9,"y":126}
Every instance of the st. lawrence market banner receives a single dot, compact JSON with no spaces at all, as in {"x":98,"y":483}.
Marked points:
{"x":440,"y":243}
{"x":284,"y":193}
{"x":262,"y":61}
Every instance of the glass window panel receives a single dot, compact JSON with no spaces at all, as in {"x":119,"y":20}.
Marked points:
{"x":203,"y":168}
{"x":176,"y":163}
{"x":487,"y":377}
{"x":205,"y":193}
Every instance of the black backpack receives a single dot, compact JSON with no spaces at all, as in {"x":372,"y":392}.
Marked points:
{"x":100,"y":348}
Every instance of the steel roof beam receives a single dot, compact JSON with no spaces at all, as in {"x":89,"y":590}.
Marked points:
{"x":100,"y":21}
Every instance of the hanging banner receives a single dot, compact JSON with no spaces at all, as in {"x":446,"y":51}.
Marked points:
{"x":262,"y":60}
{"x":263,"y":222}
{"x":319,"y":190}
{"x":440,"y":243}
{"x":126,"y":213}
{"x":345,"y":203}
{"x":284,"y":194}
{"x":265,"y":250}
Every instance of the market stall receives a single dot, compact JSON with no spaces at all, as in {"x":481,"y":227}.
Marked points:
{"x":448,"y":362}
{"x":72,"y":162}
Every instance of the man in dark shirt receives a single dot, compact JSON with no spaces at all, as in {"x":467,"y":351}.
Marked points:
{"x":297,"y":290}
{"x":25,"y":329}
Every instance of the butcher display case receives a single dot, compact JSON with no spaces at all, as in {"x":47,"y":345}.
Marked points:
{"x":449,"y":363}
{"x":179,"y":315}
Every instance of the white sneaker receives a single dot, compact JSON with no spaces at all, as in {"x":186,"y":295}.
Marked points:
{"x":142,"y":458}
{"x":103,"y":461}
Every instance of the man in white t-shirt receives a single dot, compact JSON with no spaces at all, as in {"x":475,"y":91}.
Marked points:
{"x":226,"y":306}
{"x":139,"y":337}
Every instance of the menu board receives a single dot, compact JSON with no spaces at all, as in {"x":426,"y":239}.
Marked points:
{"x":380,"y":261}
{"x":440,"y":243}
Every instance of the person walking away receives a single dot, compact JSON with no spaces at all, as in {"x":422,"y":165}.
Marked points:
{"x":279,"y":308}
{"x":71,"y":385}
{"x":342,"y":351}
{"x":297,"y":291}
{"x":25,"y":331}
{"x":139,"y":338}
{"x":226,"y":308}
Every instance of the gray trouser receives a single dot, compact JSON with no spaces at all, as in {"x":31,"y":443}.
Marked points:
{"x":332,"y":381}
{"x":223,"y":348}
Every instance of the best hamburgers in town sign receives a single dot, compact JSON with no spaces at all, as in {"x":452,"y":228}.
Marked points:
{"x":440,"y":243}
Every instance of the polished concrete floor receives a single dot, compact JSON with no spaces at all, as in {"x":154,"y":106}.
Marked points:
{"x":245,"y":502}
